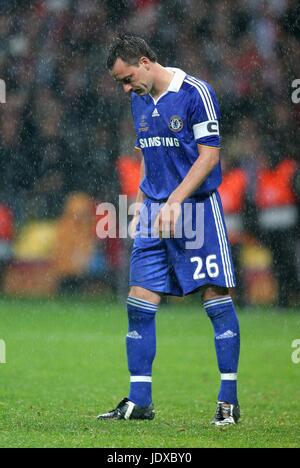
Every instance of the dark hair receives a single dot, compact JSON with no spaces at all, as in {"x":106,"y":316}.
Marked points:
{"x":130,"y":49}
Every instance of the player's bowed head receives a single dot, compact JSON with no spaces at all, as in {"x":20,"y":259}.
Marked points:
{"x":133,"y":63}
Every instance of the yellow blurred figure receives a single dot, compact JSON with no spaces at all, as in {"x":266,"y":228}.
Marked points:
{"x":75,"y":239}
{"x":35,"y":241}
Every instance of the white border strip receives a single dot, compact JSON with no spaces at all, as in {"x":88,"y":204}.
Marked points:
{"x":228,"y":376}
{"x":209,"y":304}
{"x":227,"y":255}
{"x":224,"y":243}
{"x":210,"y":115}
{"x":221,"y":245}
{"x":205,"y":89}
{"x":140,"y":378}
{"x":142,"y":304}
{"x":142,"y":300}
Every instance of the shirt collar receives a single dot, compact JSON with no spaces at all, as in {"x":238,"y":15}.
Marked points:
{"x":177,"y":80}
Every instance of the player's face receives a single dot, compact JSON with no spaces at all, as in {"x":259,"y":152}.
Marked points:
{"x":135,"y":78}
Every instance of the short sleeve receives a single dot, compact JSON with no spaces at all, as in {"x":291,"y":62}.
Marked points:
{"x":204,"y":114}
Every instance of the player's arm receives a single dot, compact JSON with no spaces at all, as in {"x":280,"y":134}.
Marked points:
{"x":208,"y":159}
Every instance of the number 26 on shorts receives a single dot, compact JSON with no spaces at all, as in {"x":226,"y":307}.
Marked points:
{"x":211,"y":267}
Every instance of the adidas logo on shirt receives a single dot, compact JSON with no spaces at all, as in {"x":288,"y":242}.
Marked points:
{"x":227,"y":334}
{"x":155,"y":113}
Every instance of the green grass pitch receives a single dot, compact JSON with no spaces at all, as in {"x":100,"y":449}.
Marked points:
{"x":66,"y":363}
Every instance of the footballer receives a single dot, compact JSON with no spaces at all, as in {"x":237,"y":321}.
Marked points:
{"x":176,"y":118}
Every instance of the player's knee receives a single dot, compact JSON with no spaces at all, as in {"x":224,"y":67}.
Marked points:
{"x":144,"y":294}
{"x":213,"y":292}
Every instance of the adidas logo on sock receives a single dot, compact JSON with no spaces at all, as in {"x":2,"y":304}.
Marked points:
{"x":227,"y":334}
{"x":134,"y":334}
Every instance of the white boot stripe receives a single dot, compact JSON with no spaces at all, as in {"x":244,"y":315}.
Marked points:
{"x":129,"y":410}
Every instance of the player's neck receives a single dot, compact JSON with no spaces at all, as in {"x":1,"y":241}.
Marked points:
{"x":163,"y":78}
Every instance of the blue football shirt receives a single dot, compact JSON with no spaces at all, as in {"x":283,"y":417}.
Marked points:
{"x":168,"y":130}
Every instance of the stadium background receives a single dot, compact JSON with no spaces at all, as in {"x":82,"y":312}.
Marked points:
{"x":66,"y":133}
{"x":66,"y":143}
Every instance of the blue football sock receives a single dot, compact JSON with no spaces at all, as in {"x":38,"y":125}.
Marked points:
{"x":141,"y":349}
{"x":222,"y":314}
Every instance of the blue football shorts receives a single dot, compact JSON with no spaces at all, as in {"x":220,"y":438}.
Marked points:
{"x":198,"y":255}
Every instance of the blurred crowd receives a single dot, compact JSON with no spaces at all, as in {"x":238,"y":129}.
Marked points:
{"x":65,"y":124}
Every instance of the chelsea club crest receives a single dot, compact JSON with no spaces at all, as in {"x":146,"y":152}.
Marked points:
{"x":176,"y":123}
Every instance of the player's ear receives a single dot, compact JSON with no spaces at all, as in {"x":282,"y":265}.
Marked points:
{"x":145,"y":62}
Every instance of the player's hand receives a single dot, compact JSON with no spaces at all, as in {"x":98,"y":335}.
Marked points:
{"x":166,"y":220}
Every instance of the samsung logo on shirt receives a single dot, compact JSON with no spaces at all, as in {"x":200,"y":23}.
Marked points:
{"x":158,"y":141}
